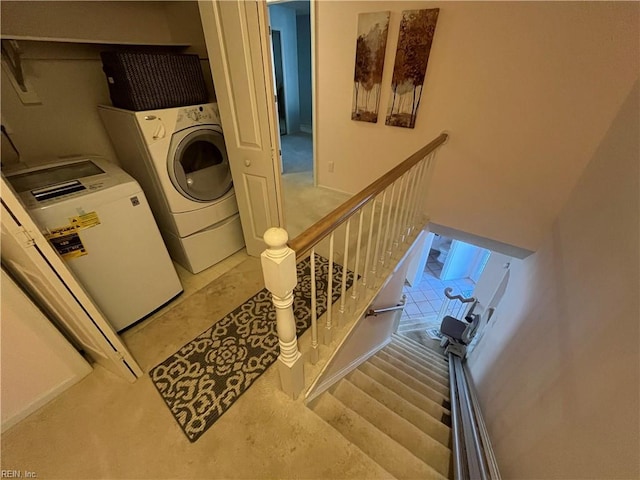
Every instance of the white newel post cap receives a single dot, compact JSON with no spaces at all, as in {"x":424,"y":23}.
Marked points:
{"x":278,"y":263}
{"x":276,"y":239}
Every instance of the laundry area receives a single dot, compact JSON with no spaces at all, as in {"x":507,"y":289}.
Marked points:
{"x":114,"y":167}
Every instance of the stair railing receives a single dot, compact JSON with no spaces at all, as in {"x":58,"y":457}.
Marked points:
{"x":387,"y":216}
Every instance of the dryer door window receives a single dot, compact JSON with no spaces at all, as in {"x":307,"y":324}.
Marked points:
{"x":200,"y":167}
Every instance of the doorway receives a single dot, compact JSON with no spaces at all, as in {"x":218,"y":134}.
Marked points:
{"x":276,"y":45}
{"x":446,"y":263}
{"x":290,"y":23}
{"x":304,"y":202}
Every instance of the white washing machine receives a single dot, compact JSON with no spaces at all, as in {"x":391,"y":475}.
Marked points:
{"x":179,"y":157}
{"x":98,"y":219}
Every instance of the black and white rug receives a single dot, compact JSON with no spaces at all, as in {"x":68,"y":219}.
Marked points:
{"x":205,"y":377}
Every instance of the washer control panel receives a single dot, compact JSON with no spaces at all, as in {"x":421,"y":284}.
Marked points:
{"x":195,"y":115}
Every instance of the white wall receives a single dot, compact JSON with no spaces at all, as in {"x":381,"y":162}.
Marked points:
{"x":103,"y":21}
{"x":70,"y":83}
{"x":526,"y":89}
{"x":303,"y":25}
{"x":558,"y":372}
{"x":37,"y":361}
{"x":283,"y":19}
{"x":68,"y":77}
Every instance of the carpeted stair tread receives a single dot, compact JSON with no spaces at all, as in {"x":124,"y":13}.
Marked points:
{"x":422,"y":445}
{"x":433,"y":350}
{"x":414,"y":325}
{"x":435,"y":359}
{"x":385,"y":451}
{"x":407,"y":410}
{"x":415,"y":373}
{"x":409,"y":380}
{"x":432,"y":346}
{"x":436,"y":356}
{"x":415,"y":397}
{"x":443,"y":370}
{"x":423,"y":366}
{"x":424,"y":360}
{"x":424,"y":363}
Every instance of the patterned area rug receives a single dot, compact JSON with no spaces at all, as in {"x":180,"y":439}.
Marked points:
{"x":205,"y":377}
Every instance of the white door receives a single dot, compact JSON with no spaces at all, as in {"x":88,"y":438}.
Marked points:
{"x":30,"y":257}
{"x":237,"y":38}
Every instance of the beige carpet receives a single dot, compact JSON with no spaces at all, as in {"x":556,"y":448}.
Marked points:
{"x":305,"y":204}
{"x":106,"y":428}
{"x":395,"y":408}
{"x":297,"y":152}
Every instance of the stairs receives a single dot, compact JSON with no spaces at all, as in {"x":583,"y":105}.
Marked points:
{"x":395,"y":408}
{"x":417,"y":324}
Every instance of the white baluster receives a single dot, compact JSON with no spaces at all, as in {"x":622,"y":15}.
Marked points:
{"x":280,"y":278}
{"x":365,"y":270}
{"x":424,"y":181}
{"x":345,"y":269}
{"x":415,"y":198}
{"x":328,"y":327}
{"x":315,"y":352}
{"x":394,"y":228}
{"x":354,"y":289}
{"x":406,"y":227}
{"x":376,"y":251}
{"x":387,"y":229}
{"x":403,"y":202}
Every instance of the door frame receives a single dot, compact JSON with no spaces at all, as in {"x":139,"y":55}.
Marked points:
{"x":314,"y":80}
{"x":314,"y":89}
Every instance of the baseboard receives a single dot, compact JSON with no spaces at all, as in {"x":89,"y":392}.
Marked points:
{"x":329,"y":382}
{"x":306,"y":128}
{"x":40,"y":402}
{"x":335,"y":190}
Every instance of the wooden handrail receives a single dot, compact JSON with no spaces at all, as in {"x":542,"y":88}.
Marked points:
{"x":330,"y":222}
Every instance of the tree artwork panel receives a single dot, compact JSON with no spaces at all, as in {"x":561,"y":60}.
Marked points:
{"x":367,"y":80}
{"x":417,"y":28}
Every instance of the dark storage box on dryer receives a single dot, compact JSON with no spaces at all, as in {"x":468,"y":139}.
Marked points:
{"x":149,"y":81}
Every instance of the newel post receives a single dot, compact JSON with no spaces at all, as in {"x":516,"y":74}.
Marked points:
{"x":280,"y":278}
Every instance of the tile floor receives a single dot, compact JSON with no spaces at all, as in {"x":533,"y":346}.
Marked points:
{"x":426,"y":298}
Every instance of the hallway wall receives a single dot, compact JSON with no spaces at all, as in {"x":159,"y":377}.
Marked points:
{"x":557,"y":370}
{"x":303,"y":24}
{"x":526,"y":89}
{"x":284,"y":19}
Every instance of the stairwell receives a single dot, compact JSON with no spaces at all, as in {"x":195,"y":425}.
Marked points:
{"x":395,"y":408}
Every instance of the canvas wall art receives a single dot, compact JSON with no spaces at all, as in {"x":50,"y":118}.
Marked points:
{"x":367,"y":81}
{"x":417,"y":28}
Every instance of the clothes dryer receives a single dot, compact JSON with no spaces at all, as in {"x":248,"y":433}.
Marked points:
{"x":179,"y":157}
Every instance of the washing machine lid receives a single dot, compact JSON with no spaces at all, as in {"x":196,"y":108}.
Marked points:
{"x":198,"y":164}
{"x":61,"y":181}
